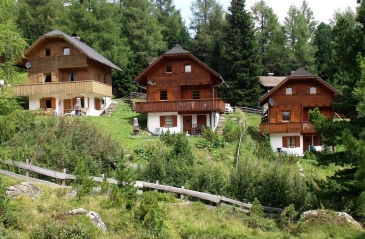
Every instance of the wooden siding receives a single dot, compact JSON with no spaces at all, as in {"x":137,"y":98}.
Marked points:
{"x":289,"y":127}
{"x":75,"y":87}
{"x":206,"y":105}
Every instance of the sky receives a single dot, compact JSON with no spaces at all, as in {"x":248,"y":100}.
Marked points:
{"x":322,"y":9}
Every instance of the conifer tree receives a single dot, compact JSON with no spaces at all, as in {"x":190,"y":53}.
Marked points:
{"x":240,"y":57}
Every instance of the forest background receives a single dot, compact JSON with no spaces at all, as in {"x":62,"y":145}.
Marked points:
{"x":241,"y":45}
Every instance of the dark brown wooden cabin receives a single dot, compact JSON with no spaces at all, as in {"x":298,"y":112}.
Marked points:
{"x":287,"y":109}
{"x":179,"y":82}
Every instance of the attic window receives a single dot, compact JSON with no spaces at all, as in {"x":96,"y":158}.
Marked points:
{"x":168,"y":69}
{"x":187,"y":68}
{"x":312,"y":90}
{"x":196,"y":94}
{"x":47,"y":52}
{"x":289,"y":91}
{"x":66,"y":51}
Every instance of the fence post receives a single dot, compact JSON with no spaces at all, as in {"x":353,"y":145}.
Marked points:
{"x":64,"y":178}
{"x":157,"y":184}
{"x":182,"y":195}
{"x":26,"y":171}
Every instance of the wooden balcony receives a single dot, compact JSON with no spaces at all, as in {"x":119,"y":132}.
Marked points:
{"x":63,"y":88}
{"x":206,"y":105}
{"x":287,"y":127}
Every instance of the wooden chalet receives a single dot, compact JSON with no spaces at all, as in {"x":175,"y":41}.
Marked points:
{"x":61,"y":69}
{"x":286,"y":119}
{"x":182,"y":93}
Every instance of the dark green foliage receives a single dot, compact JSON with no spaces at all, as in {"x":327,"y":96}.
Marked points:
{"x":83,"y":182}
{"x":232,"y":131}
{"x":210,"y":179}
{"x":272,"y":183}
{"x":324,"y":53}
{"x":240,"y":58}
{"x":51,"y":230}
{"x":150,"y":213}
{"x":58,"y":143}
{"x":13,"y":122}
{"x":256,"y":209}
{"x":7,"y":211}
{"x":173,"y":168}
{"x":124,"y":193}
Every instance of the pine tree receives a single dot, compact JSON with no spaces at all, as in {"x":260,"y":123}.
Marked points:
{"x":240,"y":57}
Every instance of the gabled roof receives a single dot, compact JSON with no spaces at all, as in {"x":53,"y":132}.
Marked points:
{"x":299,"y":74}
{"x":271,"y":81}
{"x":175,"y":51}
{"x":85,"y":49}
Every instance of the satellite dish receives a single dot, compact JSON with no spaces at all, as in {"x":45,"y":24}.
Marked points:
{"x":151,"y":82}
{"x":271,"y":102}
{"x":28,"y":65}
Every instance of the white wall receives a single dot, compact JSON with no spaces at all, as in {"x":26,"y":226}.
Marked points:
{"x":153,"y":122}
{"x":277,"y":142}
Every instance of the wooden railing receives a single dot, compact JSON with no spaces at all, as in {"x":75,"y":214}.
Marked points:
{"x":74,"y":87}
{"x":287,"y":127}
{"x":250,"y":110}
{"x":181,"y":106}
{"x":244,"y":207}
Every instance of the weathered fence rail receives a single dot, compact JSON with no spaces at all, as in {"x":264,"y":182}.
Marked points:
{"x":250,"y":110}
{"x":244,"y":207}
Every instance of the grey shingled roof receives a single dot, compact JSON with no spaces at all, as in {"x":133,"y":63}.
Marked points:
{"x":88,"y":51}
{"x":176,"y":50}
{"x":301,"y":72}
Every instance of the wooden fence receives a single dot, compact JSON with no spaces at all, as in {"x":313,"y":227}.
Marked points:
{"x":221,"y":200}
{"x":250,"y":110}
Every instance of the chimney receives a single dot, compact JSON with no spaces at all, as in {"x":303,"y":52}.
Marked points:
{"x":270,"y":74}
{"x":76,"y":36}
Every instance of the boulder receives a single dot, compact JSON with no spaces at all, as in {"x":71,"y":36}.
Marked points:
{"x":94,"y":217}
{"x":323,"y":213}
{"x":24,"y":188}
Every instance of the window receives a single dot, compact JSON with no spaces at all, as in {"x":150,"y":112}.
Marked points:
{"x":66,"y":51}
{"x":312,"y":90}
{"x":289,"y":91}
{"x":196,"y":94}
{"x":47,"y":103}
{"x":47,"y":78}
{"x":291,"y":141}
{"x":286,"y":116}
{"x":168,"y":121}
{"x":187,"y":68}
{"x":163,"y":95}
{"x":47,"y":52}
{"x":168,"y":69}
{"x":71,"y":76}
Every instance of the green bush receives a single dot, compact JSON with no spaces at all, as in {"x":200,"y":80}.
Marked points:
{"x":209,"y":179}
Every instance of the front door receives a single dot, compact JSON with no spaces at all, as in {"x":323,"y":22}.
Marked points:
{"x":187,"y":119}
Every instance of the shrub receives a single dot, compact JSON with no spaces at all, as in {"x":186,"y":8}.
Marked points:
{"x":83,"y":183}
{"x":209,"y":179}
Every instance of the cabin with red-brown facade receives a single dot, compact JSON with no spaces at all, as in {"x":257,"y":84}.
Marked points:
{"x":288,"y":103}
{"x":182,"y":93}
{"x":62,"y":69}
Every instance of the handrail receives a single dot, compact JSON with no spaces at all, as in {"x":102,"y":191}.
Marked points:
{"x":141,"y":184}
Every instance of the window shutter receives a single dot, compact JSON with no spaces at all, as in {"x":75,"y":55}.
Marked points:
{"x":279,"y":116}
{"x":41,"y":101}
{"x":53,"y":103}
{"x":53,"y":77}
{"x":297,"y":141}
{"x":318,"y":90}
{"x":294,"y":90}
{"x":52,"y":51}
{"x":41,"y":53}
{"x":162,"y":121}
{"x":285,"y":142}
{"x":283,"y":90}
{"x":169,"y":95}
{"x":174,"y":121}
{"x":40,"y":78}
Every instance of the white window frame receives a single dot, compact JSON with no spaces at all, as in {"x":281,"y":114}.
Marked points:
{"x":66,"y":51}
{"x":312,"y":90}
{"x":287,"y":116}
{"x":291,"y":142}
{"x":289,"y":91}
{"x":187,"y":68}
{"x":45,"y":76}
{"x":169,"y":123}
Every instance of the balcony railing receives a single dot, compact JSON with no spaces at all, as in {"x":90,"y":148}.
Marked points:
{"x":217,"y":105}
{"x":287,"y":127}
{"x":74,"y":87}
